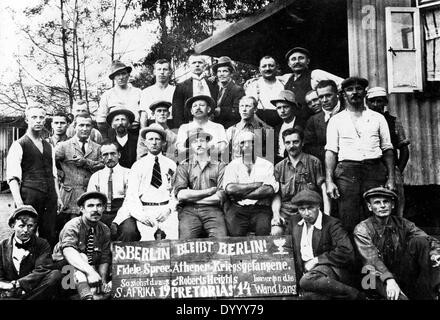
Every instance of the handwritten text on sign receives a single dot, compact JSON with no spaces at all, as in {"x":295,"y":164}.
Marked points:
{"x":202,"y":268}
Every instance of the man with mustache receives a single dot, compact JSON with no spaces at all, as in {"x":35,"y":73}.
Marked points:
{"x":196,"y":85}
{"x":120,"y":120}
{"x":78,"y":157}
{"x":402,"y":257}
{"x":112,"y":180}
{"x":323,"y":251}
{"x":298,"y":171}
{"x":32,"y":174}
{"x":161,"y":90}
{"x":26,"y":260}
{"x":359,"y":153}
{"x":198,"y":187}
{"x":265,"y":89}
{"x":122,"y":96}
{"x":302,"y":79}
{"x":250,"y":185}
{"x":84,"y":244}
{"x":316,"y":129}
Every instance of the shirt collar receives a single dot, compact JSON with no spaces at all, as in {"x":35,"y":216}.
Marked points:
{"x":318,"y":222}
{"x":79,"y":142}
{"x":300,"y":159}
{"x":195,"y":162}
{"x":196,"y":77}
{"x":242,"y":124}
{"x":152,"y":156}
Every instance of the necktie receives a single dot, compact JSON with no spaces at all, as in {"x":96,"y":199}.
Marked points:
{"x":83,"y":147}
{"x":90,"y":245}
{"x":220,"y":96}
{"x":110,"y":190}
{"x":156,"y":178}
{"x":200,"y":86}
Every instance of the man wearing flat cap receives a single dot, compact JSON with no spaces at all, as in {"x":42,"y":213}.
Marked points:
{"x":290,"y":114}
{"x":323,"y":251}
{"x":196,"y":85}
{"x":229,"y":93}
{"x":198,"y":187}
{"x":359,"y":153}
{"x":377,"y":100}
{"x":119,"y":120}
{"x":149,"y":206}
{"x":160,"y":111}
{"x":302,"y":79}
{"x":201,"y":107}
{"x":122,"y":96}
{"x":25,"y":260}
{"x":403,"y":260}
{"x":84,"y":243}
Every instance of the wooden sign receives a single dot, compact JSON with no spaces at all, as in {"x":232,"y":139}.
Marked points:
{"x":204,"y":268}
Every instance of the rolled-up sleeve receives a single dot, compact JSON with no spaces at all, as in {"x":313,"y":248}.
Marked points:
{"x":181,"y":179}
{"x":269,"y":178}
{"x":332,"y":136}
{"x":69,"y":237}
{"x":13,"y":162}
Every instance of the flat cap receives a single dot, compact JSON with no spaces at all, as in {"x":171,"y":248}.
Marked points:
{"x":25,"y":209}
{"x":91,"y":195}
{"x":307,"y":196}
{"x":376,"y":92}
{"x":380,"y":191}
{"x":160,"y":103}
{"x":115,"y":112}
{"x":154,"y":127}
{"x":353,"y":80}
{"x":297,"y":49}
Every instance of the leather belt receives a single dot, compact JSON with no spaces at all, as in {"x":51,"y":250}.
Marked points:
{"x":155,"y":203}
{"x":366,"y":161}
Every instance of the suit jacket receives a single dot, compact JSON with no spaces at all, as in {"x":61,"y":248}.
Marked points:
{"x":228,"y":104}
{"x":298,"y":124}
{"x":183,"y":92}
{"x":129,"y":151}
{"x":331,"y":245}
{"x":315,"y":136}
{"x":76,"y":178}
{"x":33,"y":268}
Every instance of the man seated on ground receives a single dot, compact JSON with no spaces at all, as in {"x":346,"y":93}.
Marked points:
{"x":85,"y":245}
{"x":250,"y":185}
{"x":25,"y":260}
{"x":298,"y":171}
{"x":402,"y":257}
{"x":198,"y":186}
{"x":322,"y":249}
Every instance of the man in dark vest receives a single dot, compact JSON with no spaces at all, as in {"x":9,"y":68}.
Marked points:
{"x":32,"y":175}
{"x":120,"y":120}
{"x":302,"y":79}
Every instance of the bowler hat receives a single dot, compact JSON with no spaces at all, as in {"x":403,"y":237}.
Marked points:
{"x":118,"y":66}
{"x":208,"y":99}
{"x":198,"y":133}
{"x":160,"y":103}
{"x":223,"y":62}
{"x":380,"y":191}
{"x":114,"y":112}
{"x":285,"y":96}
{"x":25,"y":209}
{"x":307,"y":196}
{"x":376,"y":92}
{"x":297,"y":49}
{"x":91,"y":195}
{"x":154,"y":127}
{"x":353,"y":80}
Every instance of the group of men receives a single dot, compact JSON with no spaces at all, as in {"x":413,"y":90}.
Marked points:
{"x":306,"y":154}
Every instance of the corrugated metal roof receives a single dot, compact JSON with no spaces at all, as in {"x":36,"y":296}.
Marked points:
{"x":420,"y":116}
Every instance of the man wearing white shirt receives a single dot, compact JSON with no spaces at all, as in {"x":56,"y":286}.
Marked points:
{"x":149,"y":208}
{"x":201,"y":107}
{"x":122,"y":96}
{"x":112,"y":181}
{"x":358,"y":146}
{"x":161,"y":90}
{"x":250,"y":184}
{"x":322,"y":249}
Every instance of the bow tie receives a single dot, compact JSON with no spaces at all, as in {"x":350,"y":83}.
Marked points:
{"x":24,"y":246}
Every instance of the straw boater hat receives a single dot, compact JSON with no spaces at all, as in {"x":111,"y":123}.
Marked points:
{"x":297,"y":49}
{"x":113,"y":113}
{"x":118,"y":66}
{"x":23,"y":210}
{"x":285,"y":96}
{"x":223,"y":62}
{"x":154,"y":127}
{"x":376,"y":92}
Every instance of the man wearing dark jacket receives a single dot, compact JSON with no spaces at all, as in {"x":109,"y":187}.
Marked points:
{"x":196,"y":85}
{"x":322,"y":249}
{"x":25,"y":260}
